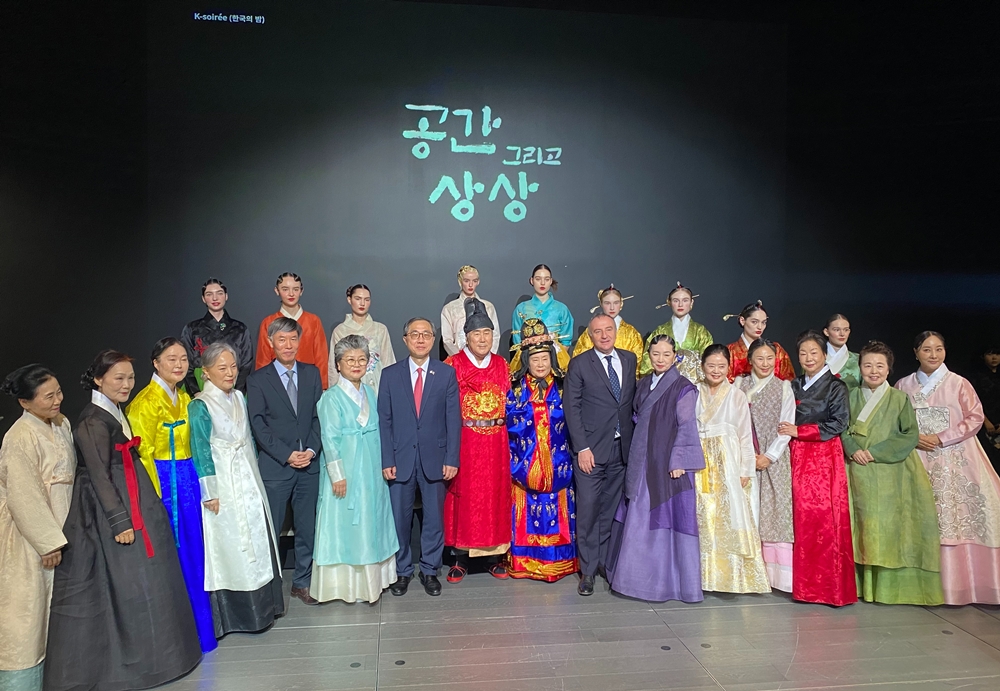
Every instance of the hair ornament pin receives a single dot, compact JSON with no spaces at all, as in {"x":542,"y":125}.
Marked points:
{"x":680,"y":286}
{"x":601,"y":293}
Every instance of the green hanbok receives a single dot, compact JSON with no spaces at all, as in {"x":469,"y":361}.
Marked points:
{"x":688,"y":349}
{"x":897,"y":550}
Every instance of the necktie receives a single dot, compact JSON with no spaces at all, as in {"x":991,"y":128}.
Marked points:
{"x":293,"y":391}
{"x":616,"y":389}
{"x":418,"y":389}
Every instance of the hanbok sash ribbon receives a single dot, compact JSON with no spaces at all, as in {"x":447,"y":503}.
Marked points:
{"x":173,"y":480}
{"x":132,"y":482}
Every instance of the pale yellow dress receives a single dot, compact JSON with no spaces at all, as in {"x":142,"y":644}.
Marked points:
{"x":37,"y":466}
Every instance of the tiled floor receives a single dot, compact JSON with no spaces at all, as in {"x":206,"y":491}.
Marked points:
{"x":490,"y":635}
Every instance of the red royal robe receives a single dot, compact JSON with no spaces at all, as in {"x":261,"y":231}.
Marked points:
{"x":478,"y":504}
{"x":739,"y":365}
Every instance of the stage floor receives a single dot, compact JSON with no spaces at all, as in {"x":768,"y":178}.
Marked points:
{"x":489,"y":635}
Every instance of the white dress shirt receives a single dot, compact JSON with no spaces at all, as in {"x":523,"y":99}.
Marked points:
{"x":413,"y":371}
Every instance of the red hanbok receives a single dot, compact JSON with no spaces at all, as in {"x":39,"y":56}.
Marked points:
{"x":739,"y":365}
{"x":478,"y":504}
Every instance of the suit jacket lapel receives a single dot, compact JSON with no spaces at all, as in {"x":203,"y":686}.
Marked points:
{"x":404,"y":374}
{"x":599,"y":364}
{"x":282,"y":392}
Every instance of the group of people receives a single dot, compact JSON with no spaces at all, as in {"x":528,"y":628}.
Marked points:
{"x":668,"y":466}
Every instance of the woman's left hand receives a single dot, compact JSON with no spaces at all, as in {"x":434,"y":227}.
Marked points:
{"x":788,"y":429}
{"x":212,"y":505}
{"x":928,"y":442}
{"x":52,"y":559}
{"x":744,"y":481}
{"x":676,"y":473}
{"x":340,"y":489}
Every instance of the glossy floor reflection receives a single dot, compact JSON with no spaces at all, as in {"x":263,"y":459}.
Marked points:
{"x":489,"y":635}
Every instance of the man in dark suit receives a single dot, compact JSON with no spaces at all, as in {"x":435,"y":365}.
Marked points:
{"x":281,"y":399}
{"x":421,"y":427}
{"x":599,"y":388}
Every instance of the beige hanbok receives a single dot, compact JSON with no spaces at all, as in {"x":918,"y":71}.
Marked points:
{"x":37,"y":465}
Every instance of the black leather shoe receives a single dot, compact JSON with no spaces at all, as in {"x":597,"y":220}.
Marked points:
{"x":399,"y":587}
{"x":586,"y":586}
{"x":431,"y":584}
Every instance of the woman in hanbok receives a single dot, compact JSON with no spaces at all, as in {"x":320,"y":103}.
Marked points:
{"x":360,"y":322}
{"x":626,"y":338}
{"x":655,"y":554}
{"x":841,"y":361}
{"x":37,"y":463}
{"x":771,"y":403}
{"x":753,"y":320}
{"x":691,"y":337}
{"x":354,"y":557}
{"x":541,"y":463}
{"x":553,"y":314}
{"x":731,"y":559}
{"x":966,"y":488}
{"x":896,"y":545}
{"x":120,"y":616}
{"x":242,"y":575}
{"x":823,"y":554}
{"x":158,"y":415}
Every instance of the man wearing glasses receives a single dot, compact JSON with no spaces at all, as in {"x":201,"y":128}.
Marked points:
{"x":421,"y":425}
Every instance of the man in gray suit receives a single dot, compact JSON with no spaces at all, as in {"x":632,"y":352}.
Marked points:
{"x":421,"y":427}
{"x":281,"y":401}
{"x":599,"y":388}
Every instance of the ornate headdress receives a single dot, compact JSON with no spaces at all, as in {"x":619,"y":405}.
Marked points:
{"x":535,"y":338}
{"x":674,"y":290}
{"x":476,"y":316}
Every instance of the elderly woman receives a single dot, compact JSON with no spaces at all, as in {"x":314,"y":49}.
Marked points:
{"x":896,"y":545}
{"x":119,"y":617}
{"x":966,"y":488}
{"x":823,"y":555}
{"x":540,"y":462}
{"x":241,"y":560}
{"x":654,"y":542}
{"x":354,"y":556}
{"x":159,"y":417}
{"x":37,"y":463}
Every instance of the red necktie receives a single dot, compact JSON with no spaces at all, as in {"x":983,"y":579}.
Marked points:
{"x":418,"y":389}
{"x":132,"y":482}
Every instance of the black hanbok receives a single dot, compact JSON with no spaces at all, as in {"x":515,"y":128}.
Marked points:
{"x":121,"y":618}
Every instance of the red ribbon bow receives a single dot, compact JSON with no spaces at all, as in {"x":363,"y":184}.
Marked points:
{"x":132,"y":482}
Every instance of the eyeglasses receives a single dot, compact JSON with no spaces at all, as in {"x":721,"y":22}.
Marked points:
{"x":421,"y":335}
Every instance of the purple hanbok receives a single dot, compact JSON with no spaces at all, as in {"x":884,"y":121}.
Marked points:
{"x":655,"y":554}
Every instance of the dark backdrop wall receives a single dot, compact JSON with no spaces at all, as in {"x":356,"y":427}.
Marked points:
{"x":820,"y":159}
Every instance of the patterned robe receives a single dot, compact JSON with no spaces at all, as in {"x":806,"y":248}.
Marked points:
{"x":739,"y":365}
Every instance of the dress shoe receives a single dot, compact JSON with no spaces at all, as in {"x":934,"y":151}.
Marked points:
{"x":586,"y":586}
{"x":432,"y":586}
{"x":303,"y":595}
{"x":399,"y":587}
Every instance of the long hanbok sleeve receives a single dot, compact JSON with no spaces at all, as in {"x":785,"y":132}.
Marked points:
{"x":491,"y":312}
{"x":332,"y":433}
{"x":631,"y":340}
{"x":687,"y":453}
{"x":265,"y":353}
{"x":901,"y":441}
{"x":744,"y":428}
{"x":972,"y":416}
{"x":702,"y":337}
{"x":144,"y":418}
{"x":201,"y":449}
{"x":516,"y":322}
{"x":787,"y":414}
{"x":28,"y":498}
{"x":567,"y":325}
{"x":321,"y":350}
{"x":194,"y":361}
{"x":96,"y":446}
{"x":583,"y":344}
{"x":448,"y":333}
{"x":244,"y":352}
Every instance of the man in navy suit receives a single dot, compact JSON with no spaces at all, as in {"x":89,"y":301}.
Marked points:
{"x":600,"y":385}
{"x":421,"y":426}
{"x":281,"y":400}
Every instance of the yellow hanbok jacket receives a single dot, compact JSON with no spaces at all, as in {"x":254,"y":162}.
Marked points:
{"x":628,"y":338}
{"x":149,"y":415}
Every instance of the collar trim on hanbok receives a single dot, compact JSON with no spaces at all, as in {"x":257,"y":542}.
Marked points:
{"x":105,"y":403}
{"x":929,"y":381}
{"x":836,"y":359}
{"x":873,"y":400}
{"x":815,"y":378}
{"x":680,"y":327}
{"x":157,"y":379}
{"x":472,"y":358}
{"x":288,"y":314}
